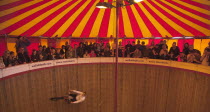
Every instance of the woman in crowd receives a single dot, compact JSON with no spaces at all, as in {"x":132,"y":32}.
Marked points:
{"x":186,"y":49}
{"x":1,"y":62}
{"x":86,"y":55}
{"x":92,"y":53}
{"x":5,"y":58}
{"x":137,"y":53}
{"x":174,"y":52}
{"x":205,"y":58}
{"x":34,"y":56}
{"x":23,"y":57}
{"x":163,"y":53}
{"x":12,"y":59}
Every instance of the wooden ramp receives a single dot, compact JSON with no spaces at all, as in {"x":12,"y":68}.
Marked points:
{"x":141,"y":88}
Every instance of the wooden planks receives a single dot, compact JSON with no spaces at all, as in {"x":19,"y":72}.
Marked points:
{"x":141,"y":88}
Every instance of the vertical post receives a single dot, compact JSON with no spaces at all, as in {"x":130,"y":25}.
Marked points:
{"x":116,"y":55}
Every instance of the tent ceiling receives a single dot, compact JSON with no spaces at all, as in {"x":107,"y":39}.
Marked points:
{"x":80,"y":18}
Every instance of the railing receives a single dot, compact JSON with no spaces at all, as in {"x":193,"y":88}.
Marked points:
{"x":9,"y":71}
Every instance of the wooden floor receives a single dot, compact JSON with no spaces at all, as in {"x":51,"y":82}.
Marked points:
{"x":141,"y":88}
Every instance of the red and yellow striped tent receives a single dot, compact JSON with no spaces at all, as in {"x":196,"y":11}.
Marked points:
{"x":80,"y":18}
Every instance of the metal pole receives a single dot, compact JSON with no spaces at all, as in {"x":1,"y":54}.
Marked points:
{"x":116,"y":55}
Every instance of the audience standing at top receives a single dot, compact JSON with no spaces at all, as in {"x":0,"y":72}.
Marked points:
{"x":85,"y":50}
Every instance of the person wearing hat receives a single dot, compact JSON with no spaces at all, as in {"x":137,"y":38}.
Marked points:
{"x":22,"y":42}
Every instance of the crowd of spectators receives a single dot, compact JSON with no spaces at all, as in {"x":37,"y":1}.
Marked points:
{"x":85,"y":50}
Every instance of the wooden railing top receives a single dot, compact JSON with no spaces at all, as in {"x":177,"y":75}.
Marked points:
{"x":10,"y":71}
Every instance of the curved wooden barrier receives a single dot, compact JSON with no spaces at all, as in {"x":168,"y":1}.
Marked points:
{"x":144,"y":85}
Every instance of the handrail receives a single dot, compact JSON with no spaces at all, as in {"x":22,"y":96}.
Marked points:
{"x":9,"y":71}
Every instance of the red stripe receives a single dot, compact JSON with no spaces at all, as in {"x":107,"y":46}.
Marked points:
{"x":56,"y":26}
{"x":79,"y":18}
{"x":188,"y":9}
{"x":39,"y":25}
{"x":171,"y":30}
{"x":177,"y":21}
{"x":150,"y":26}
{"x":203,"y":6}
{"x":121,"y":24}
{"x":14,"y":14}
{"x":14,"y":4}
{"x":186,"y":16}
{"x":89,"y":25}
{"x":105,"y":23}
{"x":31,"y":17}
{"x":134,"y":23}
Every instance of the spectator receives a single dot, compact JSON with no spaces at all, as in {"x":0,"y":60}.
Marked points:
{"x":48,"y":49}
{"x":75,"y":51}
{"x":120,"y":50}
{"x":142,"y":47}
{"x":52,"y":54}
{"x":34,"y":56}
{"x":147,"y":52}
{"x":12,"y":59}
{"x":69,"y":53}
{"x":23,"y":57}
{"x":186,"y":49}
{"x":182,"y":57}
{"x":92,"y":53}
{"x":128,"y":45}
{"x":137,"y":53}
{"x":132,"y":49}
{"x":22,"y":42}
{"x":191,"y":57}
{"x":205,"y":58}
{"x":58,"y":54}
{"x":42,"y":51}
{"x":138,"y":45}
{"x":1,"y":62}
{"x":80,"y":50}
{"x":41,"y":57}
{"x":164,"y":53}
{"x":174,"y":52}
{"x":5,"y":58}
{"x":86,"y":55}
{"x":63,"y":49}
{"x":155,"y":52}
{"x":107,"y":52}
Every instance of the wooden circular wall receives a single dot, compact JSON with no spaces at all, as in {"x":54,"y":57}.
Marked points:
{"x":141,"y":88}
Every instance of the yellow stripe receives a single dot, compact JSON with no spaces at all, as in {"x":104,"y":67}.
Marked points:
{"x":197,"y":44}
{"x":206,"y":2}
{"x":197,"y":27}
{"x":204,"y":44}
{"x":193,"y":7}
{"x":143,"y":27}
{"x":169,"y":43}
{"x":65,"y":26}
{"x":112,"y":23}
{"x":37,"y":20}
{"x":157,"y":25}
{"x":11,"y":47}
{"x":204,"y":20}
{"x":46,"y":27}
{"x":126,"y":22}
{"x":168,"y":21}
{"x":78,"y":31}
{"x":97,"y":23}
{"x":14,"y":9}
{"x":4,"y":2}
{"x":24,"y":15}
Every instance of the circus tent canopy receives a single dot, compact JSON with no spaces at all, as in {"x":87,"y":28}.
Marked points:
{"x":80,"y":18}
